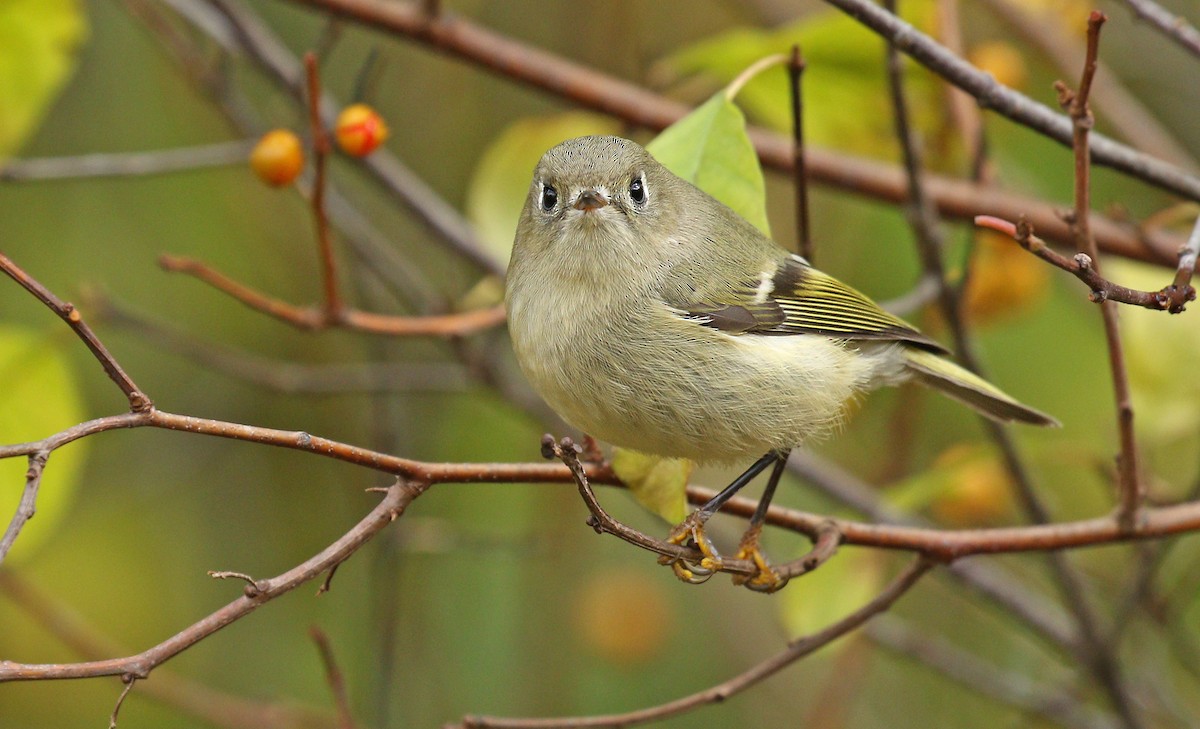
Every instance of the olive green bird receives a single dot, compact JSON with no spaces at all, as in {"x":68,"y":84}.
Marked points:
{"x":653,"y":317}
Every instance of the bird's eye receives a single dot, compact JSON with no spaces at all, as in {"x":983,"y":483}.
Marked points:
{"x":549,"y":198}
{"x":637,"y":190}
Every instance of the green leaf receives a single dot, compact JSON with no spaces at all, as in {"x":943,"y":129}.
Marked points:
{"x":846,"y":102}
{"x":709,"y":148}
{"x":659,"y":484}
{"x":40,"y":397}
{"x":38,"y":44}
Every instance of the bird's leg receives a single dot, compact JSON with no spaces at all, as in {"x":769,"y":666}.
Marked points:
{"x":766,"y":579}
{"x":692,"y":528}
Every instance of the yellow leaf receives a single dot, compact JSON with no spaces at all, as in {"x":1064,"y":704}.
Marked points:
{"x":38,"y":43}
{"x":659,"y":484}
{"x":40,"y":398}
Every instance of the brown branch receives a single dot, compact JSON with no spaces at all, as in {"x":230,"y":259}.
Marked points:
{"x":138,"y":402}
{"x":27,"y":506}
{"x":587,"y":87}
{"x":1169,"y":298}
{"x":940,"y":544}
{"x":313,"y":318}
{"x":796,"y":649}
{"x":129,"y":682}
{"x":1131,"y":489}
{"x":320,"y":144}
{"x":212,"y":706}
{"x":139,"y":666}
{"x":283,"y":375}
{"x":1124,"y":112}
{"x":799,"y":168}
{"x":333,"y":675}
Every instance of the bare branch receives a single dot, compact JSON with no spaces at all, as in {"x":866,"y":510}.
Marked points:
{"x":587,"y":87}
{"x":68,"y":313}
{"x":139,"y":666}
{"x":1173,"y":26}
{"x":127,"y":164}
{"x":796,"y":649}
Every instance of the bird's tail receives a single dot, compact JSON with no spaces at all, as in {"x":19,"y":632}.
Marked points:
{"x":936,"y":371}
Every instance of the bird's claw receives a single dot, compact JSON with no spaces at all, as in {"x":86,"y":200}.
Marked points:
{"x":691,"y":532}
{"x":765,"y":579}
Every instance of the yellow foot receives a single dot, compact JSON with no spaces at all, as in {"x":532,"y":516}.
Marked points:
{"x":766,"y":579}
{"x":691,"y":532}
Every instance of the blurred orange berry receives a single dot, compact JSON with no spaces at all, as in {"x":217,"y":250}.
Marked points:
{"x":278,"y":157}
{"x":979,"y":493}
{"x":1002,"y":61}
{"x":359,"y":130}
{"x":624,"y":617}
{"x":1005,"y":279}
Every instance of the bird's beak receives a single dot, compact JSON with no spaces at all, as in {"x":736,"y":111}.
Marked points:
{"x":590,"y":199}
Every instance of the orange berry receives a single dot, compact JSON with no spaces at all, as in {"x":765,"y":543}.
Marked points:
{"x":359,"y":130}
{"x":278,"y":157}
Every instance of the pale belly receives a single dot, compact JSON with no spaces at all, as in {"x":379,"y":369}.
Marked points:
{"x":657,"y":384}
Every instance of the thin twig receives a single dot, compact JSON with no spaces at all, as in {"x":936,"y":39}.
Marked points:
{"x":126,"y":164}
{"x":1169,"y":298}
{"x":458,"y":36}
{"x":799,"y":169}
{"x":312,"y":318}
{"x":1013,"y":104}
{"x":138,"y":402}
{"x":282,"y":375}
{"x":320,"y":143}
{"x":1169,"y":24}
{"x":1129,"y":481}
{"x":796,"y":649}
{"x":139,"y":666}
{"x":589,"y":88}
{"x":1030,"y":696}
{"x":27,"y":506}
{"x":215,"y":707}
{"x":1123,"y":111}
{"x":129,"y":682}
{"x":333,"y":675}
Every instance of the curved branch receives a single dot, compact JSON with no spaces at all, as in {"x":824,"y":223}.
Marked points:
{"x":139,"y":666}
{"x":796,"y":649}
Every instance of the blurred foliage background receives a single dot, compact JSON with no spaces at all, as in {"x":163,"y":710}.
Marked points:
{"x":497,"y":599}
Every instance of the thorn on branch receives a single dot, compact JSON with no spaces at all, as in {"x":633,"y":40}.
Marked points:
{"x":253,"y":587}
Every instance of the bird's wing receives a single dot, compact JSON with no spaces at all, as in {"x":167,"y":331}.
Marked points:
{"x":795,"y":298}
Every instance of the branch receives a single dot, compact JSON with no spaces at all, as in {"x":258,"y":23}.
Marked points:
{"x":317,"y":318}
{"x":333,"y":304}
{"x":127,"y":164}
{"x":796,"y":649}
{"x":1173,"y":26}
{"x":1132,"y":491}
{"x":139,"y":666}
{"x":27,"y":507}
{"x":212,"y":706}
{"x":1012,"y":104}
{"x":587,"y":87}
{"x":67,"y":312}
{"x":1172,"y":298}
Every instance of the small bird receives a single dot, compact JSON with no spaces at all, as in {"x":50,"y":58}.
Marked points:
{"x":651,"y":316}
